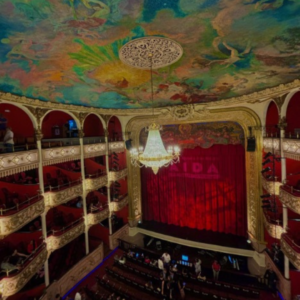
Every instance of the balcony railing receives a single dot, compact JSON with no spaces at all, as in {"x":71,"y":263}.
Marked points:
{"x":60,"y":154}
{"x":273,"y":227}
{"x":94,"y":150}
{"x":114,"y":238}
{"x":117,"y":205}
{"x":16,"y":162}
{"x":291,"y":249}
{"x":96,"y":217}
{"x":63,"y":236}
{"x":116,"y":175}
{"x":14,"y":283}
{"x":67,"y":192}
{"x":116,"y":146}
{"x":13,"y":222}
{"x":272,"y":187}
{"x":93,"y":184}
{"x":290,"y":196}
{"x":272,"y":144}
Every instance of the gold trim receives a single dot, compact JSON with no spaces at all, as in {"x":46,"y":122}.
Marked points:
{"x":274,"y":230}
{"x":97,"y":217}
{"x":272,"y":187}
{"x":290,"y":200}
{"x":292,"y":255}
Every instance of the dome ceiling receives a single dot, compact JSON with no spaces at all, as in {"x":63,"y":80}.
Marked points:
{"x":66,"y":51}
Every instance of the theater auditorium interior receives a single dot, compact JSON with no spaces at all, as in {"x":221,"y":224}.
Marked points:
{"x":149,"y":149}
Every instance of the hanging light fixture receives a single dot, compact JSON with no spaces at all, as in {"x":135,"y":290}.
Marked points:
{"x":147,"y":53}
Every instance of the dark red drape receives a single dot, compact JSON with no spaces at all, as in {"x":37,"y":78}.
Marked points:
{"x":205,"y":190}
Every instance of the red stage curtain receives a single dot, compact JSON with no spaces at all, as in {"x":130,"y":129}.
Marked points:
{"x":205,"y":190}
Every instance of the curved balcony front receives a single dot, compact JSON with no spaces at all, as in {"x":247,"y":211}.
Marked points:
{"x":117,"y":175}
{"x":14,"y":283}
{"x":62,"y":237}
{"x":116,"y":146}
{"x":56,"y":197}
{"x":97,"y":216}
{"x":17,"y":219}
{"x":272,"y":187}
{"x":291,"y":249}
{"x":290,"y":197}
{"x":16,"y":162}
{"x":94,"y":150}
{"x":274,"y":230}
{"x":61,"y":154}
{"x":92,"y":184}
{"x":272,"y":145}
{"x":117,"y":205}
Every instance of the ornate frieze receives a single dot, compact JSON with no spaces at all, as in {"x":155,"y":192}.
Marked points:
{"x":116,"y":175}
{"x":113,"y":239}
{"x":56,"y":242}
{"x":55,"y":198}
{"x":11,"y":223}
{"x":118,"y":205}
{"x":13,"y":284}
{"x":16,"y":162}
{"x":272,"y":145}
{"x":274,"y":230}
{"x":290,"y":200}
{"x":92,"y":184}
{"x":291,"y":250}
{"x":97,"y":217}
{"x":291,"y":148}
{"x":60,"y":154}
{"x":116,"y":146}
{"x":94,"y":150}
{"x":272,"y":187}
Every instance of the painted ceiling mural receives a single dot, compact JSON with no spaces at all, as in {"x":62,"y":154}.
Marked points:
{"x":67,"y":50}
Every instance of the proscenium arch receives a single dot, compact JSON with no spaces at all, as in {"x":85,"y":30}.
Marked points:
{"x":246,"y":118}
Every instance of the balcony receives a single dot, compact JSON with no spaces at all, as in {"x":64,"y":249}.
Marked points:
{"x":290,"y":197}
{"x":63,"y":194}
{"x":272,"y":145}
{"x":116,"y":146}
{"x":94,"y":150}
{"x":117,"y":205}
{"x":291,"y":249}
{"x":14,"y":283}
{"x":17,"y":219}
{"x":60,"y":154}
{"x":116,"y":175}
{"x":274,"y":229}
{"x":272,"y":187}
{"x":63,"y":236}
{"x":16,"y":162}
{"x":92,"y":184}
{"x":97,"y":216}
{"x":114,"y":238}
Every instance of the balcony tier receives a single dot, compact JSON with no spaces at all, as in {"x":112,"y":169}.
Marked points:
{"x":116,"y":175}
{"x":16,"y":162}
{"x":117,"y":147}
{"x":290,"y":198}
{"x":291,"y":250}
{"x":272,"y":187}
{"x":13,"y":284}
{"x":118,"y":205}
{"x":94,"y":150}
{"x":61,"y":154}
{"x":12,"y":223}
{"x":92,"y":184}
{"x":97,"y":217}
{"x":114,"y":238}
{"x":291,"y":147}
{"x":274,"y":230}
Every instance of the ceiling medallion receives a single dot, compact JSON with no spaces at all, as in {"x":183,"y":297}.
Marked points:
{"x":136,"y":53}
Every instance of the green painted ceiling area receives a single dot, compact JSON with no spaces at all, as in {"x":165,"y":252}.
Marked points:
{"x":66,"y":51}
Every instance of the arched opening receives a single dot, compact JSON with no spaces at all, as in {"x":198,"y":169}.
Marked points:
{"x":114,"y":129}
{"x":272,"y":120}
{"x":93,"y":130}
{"x":292,"y":117}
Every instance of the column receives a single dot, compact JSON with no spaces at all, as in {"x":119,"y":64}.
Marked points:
{"x":86,"y":231}
{"x":39,"y":136}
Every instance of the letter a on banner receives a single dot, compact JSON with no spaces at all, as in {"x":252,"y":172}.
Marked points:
{"x":213,"y":169}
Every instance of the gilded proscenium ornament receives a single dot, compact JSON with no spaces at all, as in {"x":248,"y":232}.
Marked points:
{"x":13,"y":284}
{"x":92,"y":184}
{"x":290,"y":252}
{"x":97,"y":217}
{"x":290,"y":200}
{"x":272,"y":187}
{"x":274,"y":230}
{"x":116,"y":175}
{"x":12,"y":223}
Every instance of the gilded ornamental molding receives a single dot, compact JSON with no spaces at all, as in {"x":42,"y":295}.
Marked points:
{"x":272,"y":187}
{"x":274,"y":230}
{"x":92,"y":184}
{"x":117,"y":175}
{"x":56,"y":242}
{"x":11,"y":223}
{"x":113,"y":239}
{"x":272,"y":145}
{"x":94,"y":150}
{"x":97,"y":217}
{"x":13,"y":284}
{"x":60,"y":154}
{"x":16,"y":162}
{"x":118,"y":205}
{"x":291,"y":148}
{"x":116,"y":146}
{"x":288,"y":250}
{"x":55,"y":198}
{"x":290,"y":200}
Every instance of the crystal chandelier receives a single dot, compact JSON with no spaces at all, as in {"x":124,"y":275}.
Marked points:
{"x":145,"y":53}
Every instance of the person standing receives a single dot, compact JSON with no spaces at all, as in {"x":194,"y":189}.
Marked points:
{"x":8,"y":140}
{"x":216,"y":267}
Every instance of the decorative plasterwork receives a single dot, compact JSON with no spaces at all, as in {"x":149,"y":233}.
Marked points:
{"x":291,"y":148}
{"x":92,"y":184}
{"x":290,"y":252}
{"x":11,"y":223}
{"x":37,"y":112}
{"x":272,"y":145}
{"x":290,"y":200}
{"x":183,"y":112}
{"x":274,"y":230}
{"x":56,"y":242}
{"x":80,"y":116}
{"x":117,"y":175}
{"x":113,"y":239}
{"x":118,"y":205}
{"x":116,"y":146}
{"x":13,"y":284}
{"x":94,"y":150}
{"x":97,"y":217}
{"x":272,"y":187}
{"x":16,"y":162}
{"x":55,"y":198}
{"x":60,"y":154}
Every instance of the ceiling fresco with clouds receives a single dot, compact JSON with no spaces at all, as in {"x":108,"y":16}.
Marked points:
{"x":66,"y":51}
